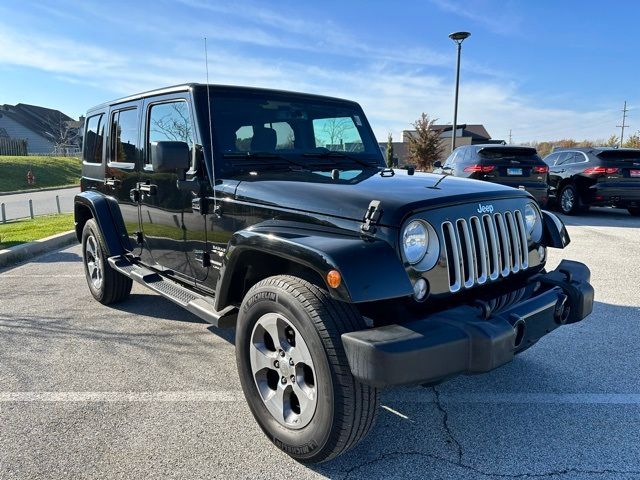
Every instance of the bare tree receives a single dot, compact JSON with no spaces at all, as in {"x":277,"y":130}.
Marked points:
{"x":61,"y":132}
{"x":175,"y":125}
{"x":425,"y":146}
{"x":335,"y":129}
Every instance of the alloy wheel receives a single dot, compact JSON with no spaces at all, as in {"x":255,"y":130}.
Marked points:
{"x":93,"y":261}
{"x":283,"y":371}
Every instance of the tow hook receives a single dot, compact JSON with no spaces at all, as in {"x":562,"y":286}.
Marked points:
{"x":562,"y":310}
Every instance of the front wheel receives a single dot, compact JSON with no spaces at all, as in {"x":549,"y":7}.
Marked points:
{"x":294,"y":371}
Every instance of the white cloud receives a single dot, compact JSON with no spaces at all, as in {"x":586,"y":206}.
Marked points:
{"x":392,"y":92}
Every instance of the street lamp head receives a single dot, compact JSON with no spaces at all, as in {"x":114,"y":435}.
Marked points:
{"x":458,"y":37}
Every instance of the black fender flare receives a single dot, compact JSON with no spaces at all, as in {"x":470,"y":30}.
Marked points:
{"x":554,"y":232}
{"x":371,"y":269}
{"x":105,"y":211}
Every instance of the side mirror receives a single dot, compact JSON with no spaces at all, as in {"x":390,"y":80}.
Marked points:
{"x":437,"y":164}
{"x":169,"y":156}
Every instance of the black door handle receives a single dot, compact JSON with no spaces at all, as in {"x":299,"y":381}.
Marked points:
{"x":149,"y":189}
{"x":112,"y":182}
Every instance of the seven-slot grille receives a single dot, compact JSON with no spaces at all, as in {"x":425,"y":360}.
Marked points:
{"x":484,"y":248}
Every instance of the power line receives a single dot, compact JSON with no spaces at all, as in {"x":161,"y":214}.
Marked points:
{"x":624,"y":124}
{"x":510,"y":137}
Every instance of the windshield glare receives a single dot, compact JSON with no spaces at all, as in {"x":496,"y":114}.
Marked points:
{"x":258,"y":125}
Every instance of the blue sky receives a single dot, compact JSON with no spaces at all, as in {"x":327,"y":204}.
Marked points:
{"x":545,"y":69}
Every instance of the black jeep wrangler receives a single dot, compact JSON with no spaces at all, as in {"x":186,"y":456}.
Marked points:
{"x":272,"y":211}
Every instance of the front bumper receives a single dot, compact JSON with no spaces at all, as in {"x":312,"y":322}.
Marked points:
{"x":470,"y":339}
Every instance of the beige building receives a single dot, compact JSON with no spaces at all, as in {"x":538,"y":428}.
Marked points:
{"x":465,"y":135}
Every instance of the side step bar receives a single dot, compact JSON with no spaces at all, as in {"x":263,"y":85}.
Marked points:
{"x":199,"y":305}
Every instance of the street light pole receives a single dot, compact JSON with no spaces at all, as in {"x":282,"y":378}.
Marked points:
{"x":457,"y":37}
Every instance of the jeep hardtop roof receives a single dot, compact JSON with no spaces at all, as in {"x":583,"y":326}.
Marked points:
{"x":214,"y":88}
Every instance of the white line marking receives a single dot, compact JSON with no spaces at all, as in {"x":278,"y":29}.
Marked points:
{"x":164,"y":396}
{"x":40,"y":275}
{"x":522,"y":398}
{"x":226,"y":396}
{"x":395,"y":412}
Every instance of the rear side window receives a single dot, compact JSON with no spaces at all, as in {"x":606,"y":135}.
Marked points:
{"x":551,"y":159}
{"x":169,"y":122}
{"x":123,"y":136}
{"x":93,"y":138}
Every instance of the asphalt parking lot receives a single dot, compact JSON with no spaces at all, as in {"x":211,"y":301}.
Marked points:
{"x":145,"y":390}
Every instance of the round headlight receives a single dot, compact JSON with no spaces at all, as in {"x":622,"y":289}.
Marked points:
{"x":414,"y":241}
{"x":532,"y":222}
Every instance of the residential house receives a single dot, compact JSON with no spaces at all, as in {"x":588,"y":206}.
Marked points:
{"x":45,"y":130}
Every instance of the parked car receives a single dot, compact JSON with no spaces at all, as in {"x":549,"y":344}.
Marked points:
{"x":341,"y":276}
{"x":602,"y":176}
{"x":518,"y":167}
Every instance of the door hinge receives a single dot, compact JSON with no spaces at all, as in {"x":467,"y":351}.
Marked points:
{"x":200,"y":205}
{"x":139,"y":238}
{"x":371,"y":217}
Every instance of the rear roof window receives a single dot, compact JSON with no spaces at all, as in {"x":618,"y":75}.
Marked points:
{"x":620,"y":154}
{"x":522,"y":153}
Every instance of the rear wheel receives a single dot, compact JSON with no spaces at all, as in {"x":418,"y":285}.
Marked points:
{"x":294,"y":372}
{"x":569,"y":201}
{"x":106,"y":284}
{"x":635,"y":211}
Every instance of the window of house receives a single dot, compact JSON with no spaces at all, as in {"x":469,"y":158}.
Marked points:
{"x":93,"y":138}
{"x":124,"y":136}
{"x":169,"y":122}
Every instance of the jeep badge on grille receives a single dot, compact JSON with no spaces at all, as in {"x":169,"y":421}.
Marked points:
{"x":485,"y":208}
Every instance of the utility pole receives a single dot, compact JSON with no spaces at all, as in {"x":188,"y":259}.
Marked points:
{"x":624,"y":122}
{"x":510,"y":137}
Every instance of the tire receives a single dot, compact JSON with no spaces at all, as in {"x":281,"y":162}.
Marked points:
{"x":569,"y":200}
{"x":309,"y":324}
{"x":106,"y":284}
{"x":635,"y":211}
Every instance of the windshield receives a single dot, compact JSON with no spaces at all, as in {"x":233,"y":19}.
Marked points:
{"x":308,"y":131}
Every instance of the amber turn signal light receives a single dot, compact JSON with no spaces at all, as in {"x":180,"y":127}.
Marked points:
{"x":334,"y":278}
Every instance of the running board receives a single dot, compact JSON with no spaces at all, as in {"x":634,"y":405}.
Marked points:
{"x":199,"y":305}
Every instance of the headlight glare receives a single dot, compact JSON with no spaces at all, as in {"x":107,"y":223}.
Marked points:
{"x":532,"y":222}
{"x":414,"y":241}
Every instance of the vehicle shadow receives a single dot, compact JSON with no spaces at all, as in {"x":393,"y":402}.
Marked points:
{"x":539,"y":415}
{"x":602,"y":217}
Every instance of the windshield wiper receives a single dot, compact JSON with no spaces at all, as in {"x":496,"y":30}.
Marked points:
{"x":339,"y":155}
{"x":263,"y":156}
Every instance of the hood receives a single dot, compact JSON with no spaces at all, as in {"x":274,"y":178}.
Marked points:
{"x":349,"y":196}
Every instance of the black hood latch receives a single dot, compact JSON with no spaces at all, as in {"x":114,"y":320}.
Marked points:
{"x":371,"y":217}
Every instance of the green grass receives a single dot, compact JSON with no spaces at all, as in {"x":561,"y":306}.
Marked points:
{"x":48,"y":172}
{"x":22,"y":231}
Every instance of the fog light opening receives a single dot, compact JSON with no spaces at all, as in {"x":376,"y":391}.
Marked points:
{"x":420,"y":289}
{"x":519,"y":328}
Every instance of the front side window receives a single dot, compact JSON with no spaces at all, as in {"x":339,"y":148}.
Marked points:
{"x":124,"y":136}
{"x":169,"y":122}
{"x":93,"y":137}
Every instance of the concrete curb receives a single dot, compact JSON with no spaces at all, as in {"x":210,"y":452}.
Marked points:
{"x":25,"y":251}
{"x":46,"y":189}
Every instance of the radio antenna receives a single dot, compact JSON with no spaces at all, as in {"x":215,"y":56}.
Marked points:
{"x":213,"y":167}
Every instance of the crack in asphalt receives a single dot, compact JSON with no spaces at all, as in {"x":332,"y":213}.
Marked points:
{"x":478,"y":471}
{"x":485,"y":473}
{"x":445,"y":424}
